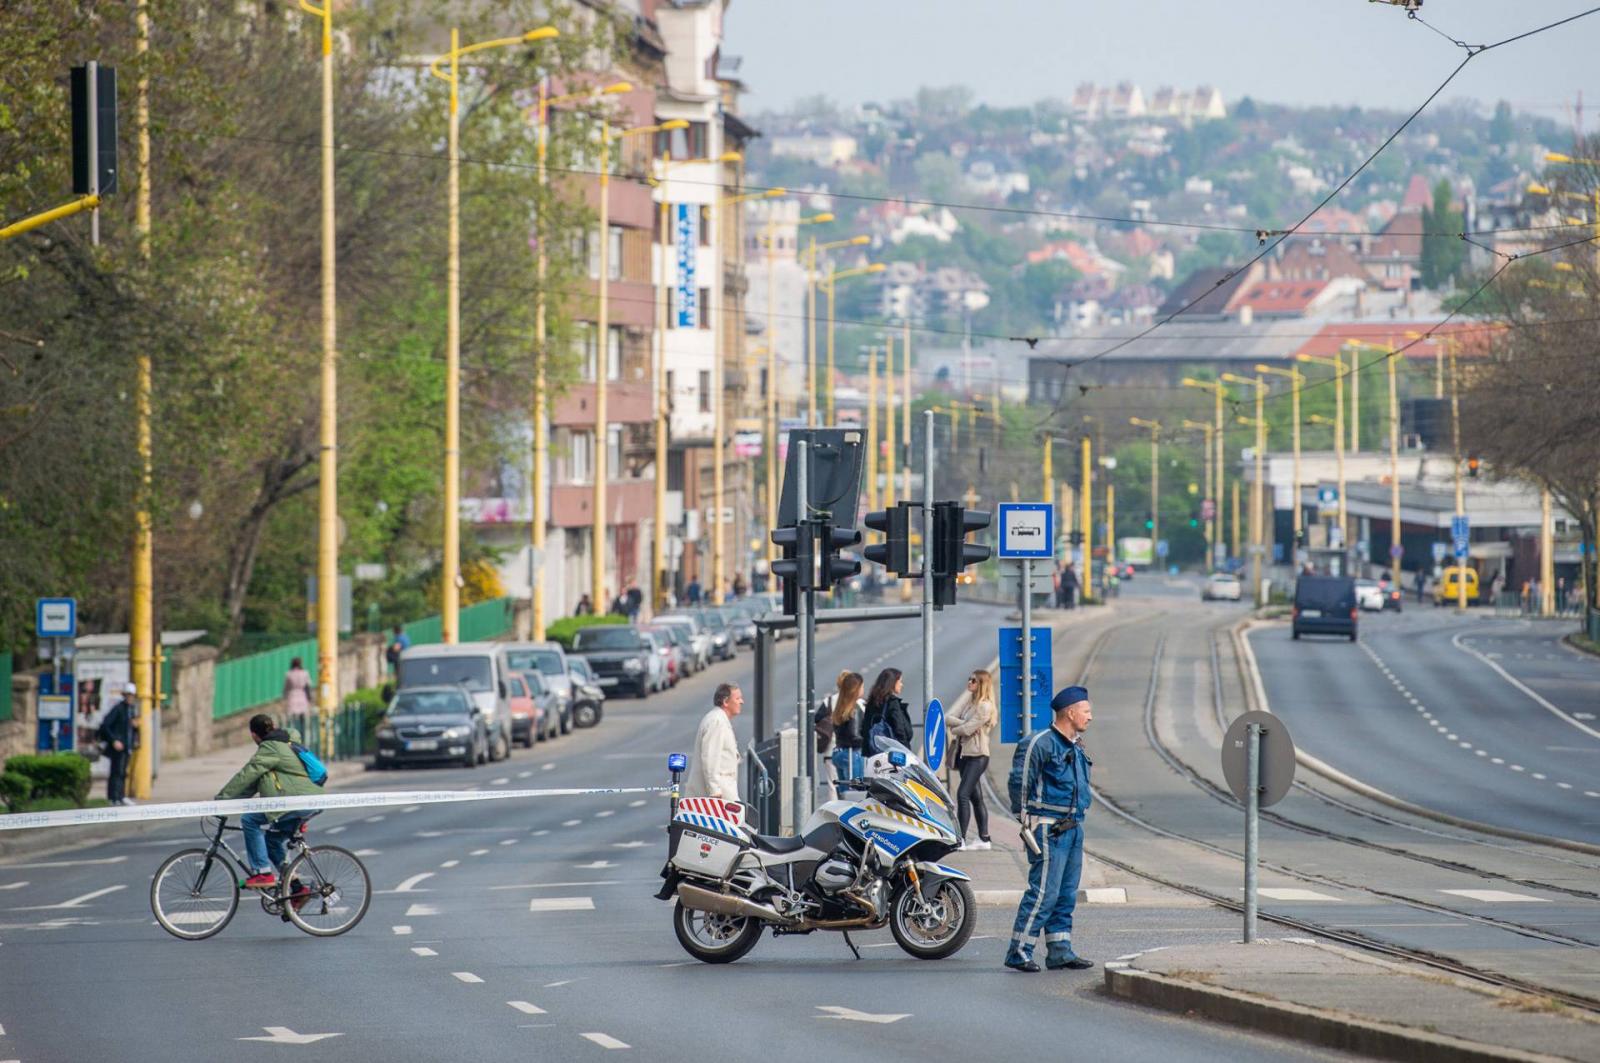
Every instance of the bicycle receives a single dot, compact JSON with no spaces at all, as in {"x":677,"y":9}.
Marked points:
{"x":195,"y":892}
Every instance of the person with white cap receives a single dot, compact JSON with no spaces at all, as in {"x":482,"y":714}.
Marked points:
{"x":116,"y":732}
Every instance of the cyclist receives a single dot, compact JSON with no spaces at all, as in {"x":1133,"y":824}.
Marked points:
{"x":274,"y":770}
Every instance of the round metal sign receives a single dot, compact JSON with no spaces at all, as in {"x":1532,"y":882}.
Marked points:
{"x":933,"y":736}
{"x":1277,"y":757}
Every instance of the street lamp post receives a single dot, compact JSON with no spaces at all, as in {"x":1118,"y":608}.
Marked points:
{"x":1258,"y":489}
{"x":1220,"y":433}
{"x":450,"y":587}
{"x":834,"y":276}
{"x":811,"y":315}
{"x":1155,"y":475}
{"x":1296,"y":379}
{"x":1206,"y":429}
{"x":1337,"y":364}
{"x":1391,"y":356}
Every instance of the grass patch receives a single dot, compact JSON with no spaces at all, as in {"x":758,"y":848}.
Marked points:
{"x":59,"y":804}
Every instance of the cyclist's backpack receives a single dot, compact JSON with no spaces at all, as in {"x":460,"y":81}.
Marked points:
{"x":316,"y":771}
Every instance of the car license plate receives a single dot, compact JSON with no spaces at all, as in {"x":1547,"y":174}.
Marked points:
{"x":420,"y":745}
{"x":1311,"y":612}
{"x":608,"y":680}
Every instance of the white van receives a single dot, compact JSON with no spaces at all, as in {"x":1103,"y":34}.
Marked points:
{"x":476,"y":666}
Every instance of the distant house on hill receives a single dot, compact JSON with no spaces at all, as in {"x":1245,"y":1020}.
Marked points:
{"x":821,"y":149}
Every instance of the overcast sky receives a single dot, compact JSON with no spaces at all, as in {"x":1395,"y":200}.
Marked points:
{"x":1292,"y":51}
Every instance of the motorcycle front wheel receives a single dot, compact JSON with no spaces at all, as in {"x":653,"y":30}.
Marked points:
{"x":712,"y":938}
{"x":936,"y":928}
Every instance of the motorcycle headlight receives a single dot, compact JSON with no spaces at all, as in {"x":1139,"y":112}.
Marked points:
{"x":632,"y":664}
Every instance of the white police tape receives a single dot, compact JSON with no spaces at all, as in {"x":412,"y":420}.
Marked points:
{"x":74,"y":817}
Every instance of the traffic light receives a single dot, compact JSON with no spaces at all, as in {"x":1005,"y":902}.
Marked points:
{"x":894,"y":553}
{"x":1472,"y":465}
{"x":94,"y":105}
{"x":836,"y":569}
{"x":796,"y":566}
{"x":1075,"y":536}
{"x":952,"y":523}
{"x":1149,"y":522}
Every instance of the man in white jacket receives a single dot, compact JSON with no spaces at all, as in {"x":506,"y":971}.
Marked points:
{"x":714,"y":771}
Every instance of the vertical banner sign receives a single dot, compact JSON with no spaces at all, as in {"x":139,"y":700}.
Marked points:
{"x":687,"y":233}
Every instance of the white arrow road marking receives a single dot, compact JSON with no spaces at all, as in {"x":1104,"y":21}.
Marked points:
{"x":852,"y":1015}
{"x":421,"y":909}
{"x":1496,"y":897}
{"x":76,"y":902}
{"x":605,"y":1040}
{"x":561,"y":904}
{"x":467,"y":977}
{"x":282,"y":1035}
{"x":410,"y":884}
{"x":526,"y":1008}
{"x":593,"y":865}
{"x":68,"y":863}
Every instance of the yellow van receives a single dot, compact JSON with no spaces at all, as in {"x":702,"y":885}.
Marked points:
{"x":1448,"y":589}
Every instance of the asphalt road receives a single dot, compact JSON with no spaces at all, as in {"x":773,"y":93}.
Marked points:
{"x":517,"y":928}
{"x":1489,"y":720}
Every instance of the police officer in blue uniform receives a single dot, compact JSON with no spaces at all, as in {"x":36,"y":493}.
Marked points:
{"x":1049,"y":789}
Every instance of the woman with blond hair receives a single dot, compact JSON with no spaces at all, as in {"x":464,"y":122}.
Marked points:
{"x":970,"y":728}
{"x":843,"y":723}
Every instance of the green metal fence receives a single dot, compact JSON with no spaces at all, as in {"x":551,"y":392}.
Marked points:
{"x":5,"y":686}
{"x":246,"y":682}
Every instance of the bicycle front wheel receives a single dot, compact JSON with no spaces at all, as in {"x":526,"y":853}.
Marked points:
{"x":328,"y":891}
{"x":194,"y":893}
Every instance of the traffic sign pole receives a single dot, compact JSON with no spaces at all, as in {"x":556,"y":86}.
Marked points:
{"x":1027,"y":647}
{"x":1252,"y":829}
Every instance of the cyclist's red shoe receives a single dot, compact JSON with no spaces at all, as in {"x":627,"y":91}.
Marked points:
{"x":264,"y":881}
{"x":299,"y":894}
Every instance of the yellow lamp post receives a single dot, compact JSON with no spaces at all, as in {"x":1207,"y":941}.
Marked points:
{"x":834,"y":276}
{"x":1206,"y":429}
{"x":450,"y":576}
{"x":1390,"y":358}
{"x":811,"y":313}
{"x":1258,"y":489}
{"x":539,"y":517}
{"x":1219,"y":433}
{"x":1296,"y":379}
{"x":1155,"y":475}
{"x":1337,"y":364}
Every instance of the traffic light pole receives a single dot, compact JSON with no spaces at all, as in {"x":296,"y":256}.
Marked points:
{"x":803,"y":650}
{"x":927,"y":558}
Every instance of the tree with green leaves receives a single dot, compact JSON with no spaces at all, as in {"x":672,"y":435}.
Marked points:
{"x":1443,"y":252}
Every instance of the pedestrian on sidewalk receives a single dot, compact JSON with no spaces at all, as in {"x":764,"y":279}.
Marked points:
{"x":116,"y":731}
{"x":399,"y":642}
{"x":297,"y":694}
{"x":585,"y":607}
{"x":1049,"y":790}
{"x":714,"y":771}
{"x":885,"y":707}
{"x":845,"y":710}
{"x":970,"y":728}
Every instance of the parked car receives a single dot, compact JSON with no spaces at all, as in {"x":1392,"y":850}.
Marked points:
{"x":550,"y":661}
{"x":429,"y":724}
{"x":716,"y":622}
{"x":699,"y":637}
{"x":621,"y":657}
{"x":588,"y":700}
{"x":527,"y":715}
{"x":740,"y":624}
{"x":665,"y":670}
{"x":1445,"y":592}
{"x":479,"y":667}
{"x":1221,"y":586}
{"x":1369,"y":596}
{"x":1325,"y":605}
{"x":677,"y":650}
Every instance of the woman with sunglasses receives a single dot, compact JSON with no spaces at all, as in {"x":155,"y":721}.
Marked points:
{"x":970,"y":728}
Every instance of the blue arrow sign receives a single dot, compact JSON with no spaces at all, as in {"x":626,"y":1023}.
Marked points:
{"x":933,"y":736}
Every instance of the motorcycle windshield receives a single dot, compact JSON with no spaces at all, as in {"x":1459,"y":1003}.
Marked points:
{"x":924,"y":787}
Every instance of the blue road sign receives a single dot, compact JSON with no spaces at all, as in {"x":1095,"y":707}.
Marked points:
{"x":1027,"y":530}
{"x":56,"y":618}
{"x":933,"y":736}
{"x":1162,"y":549}
{"x":1011,"y":681}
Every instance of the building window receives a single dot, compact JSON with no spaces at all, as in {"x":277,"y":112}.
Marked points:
{"x":591,"y":249}
{"x":613,"y":352}
{"x":574,"y":456}
{"x":585,"y":332}
{"x":614,"y":452}
{"x":705,"y":391}
{"x":690,"y":143}
{"x":705,"y":308}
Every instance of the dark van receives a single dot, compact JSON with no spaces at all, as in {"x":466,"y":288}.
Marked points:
{"x":1325,"y":605}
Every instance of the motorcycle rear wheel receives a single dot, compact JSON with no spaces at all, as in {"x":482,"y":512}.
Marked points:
{"x":935,"y":929}
{"x":713,"y":938}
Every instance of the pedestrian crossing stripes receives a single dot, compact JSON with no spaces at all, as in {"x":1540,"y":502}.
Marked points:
{"x":1289,"y":893}
{"x":1496,"y":896}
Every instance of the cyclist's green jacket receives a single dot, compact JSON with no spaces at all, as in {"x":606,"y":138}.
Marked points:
{"x":273,"y":771}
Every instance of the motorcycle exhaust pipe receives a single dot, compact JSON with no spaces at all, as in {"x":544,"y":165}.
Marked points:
{"x":702,"y":900}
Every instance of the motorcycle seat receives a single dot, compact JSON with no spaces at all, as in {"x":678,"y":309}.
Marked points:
{"x":779,"y":845}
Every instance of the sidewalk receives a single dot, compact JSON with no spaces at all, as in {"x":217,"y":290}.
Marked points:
{"x":191,"y":779}
{"x":1353,"y":1001}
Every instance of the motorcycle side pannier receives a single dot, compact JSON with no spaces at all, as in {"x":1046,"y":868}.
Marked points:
{"x":702,"y":850}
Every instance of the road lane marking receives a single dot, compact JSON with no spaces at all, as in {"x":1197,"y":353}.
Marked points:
{"x":423,"y":950}
{"x":571,"y":822}
{"x":593,"y":865}
{"x":1518,"y":767}
{"x":547,"y":767}
{"x":467,"y":977}
{"x":561,"y":904}
{"x":13,"y":886}
{"x":526,"y":1008}
{"x":401,"y":929}
{"x":602,"y":814}
{"x":410,"y":808}
{"x":1289,"y":893}
{"x":852,"y":1015}
{"x":282,"y":1035}
{"x":369,"y":852}
{"x":68,"y":863}
{"x":540,"y":833}
{"x":562,"y":885}
{"x":629,"y":845}
{"x":421,"y":909}
{"x":557,"y":985}
{"x":410,"y":884}
{"x":479,"y":852}
{"x":76,"y":902}
{"x":509,"y":841}
{"x":523,"y":774}
{"x":605,"y":1040}
{"x":450,"y":863}
{"x":502,"y":781}
{"x":1496,"y":896}
{"x":334,"y":830}
{"x":638,"y":804}
{"x":1538,"y":775}
{"x":375,"y":819}
{"x":1520,"y":685}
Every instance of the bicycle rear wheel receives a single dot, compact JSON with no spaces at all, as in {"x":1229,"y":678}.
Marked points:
{"x":338,"y":890}
{"x":194,"y":893}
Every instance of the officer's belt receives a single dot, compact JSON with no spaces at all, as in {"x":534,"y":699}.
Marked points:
{"x":1041,"y":821}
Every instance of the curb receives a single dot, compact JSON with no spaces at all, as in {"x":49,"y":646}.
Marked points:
{"x":1301,"y":1023}
{"x":1255,"y":690}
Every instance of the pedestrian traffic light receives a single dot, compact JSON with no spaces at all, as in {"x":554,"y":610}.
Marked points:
{"x":835,"y":569}
{"x":1149,"y":522}
{"x":1075,"y":537}
{"x":96,"y":105}
{"x":952,"y":523}
{"x":1472,"y":465}
{"x":894,"y":553}
{"x":796,"y":566}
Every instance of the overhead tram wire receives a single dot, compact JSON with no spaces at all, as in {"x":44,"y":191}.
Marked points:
{"x":1271,"y":239}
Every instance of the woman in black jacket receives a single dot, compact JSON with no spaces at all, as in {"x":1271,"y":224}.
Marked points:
{"x":884,"y":704}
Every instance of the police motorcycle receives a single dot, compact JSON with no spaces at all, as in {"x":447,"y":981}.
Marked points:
{"x":864,"y":861}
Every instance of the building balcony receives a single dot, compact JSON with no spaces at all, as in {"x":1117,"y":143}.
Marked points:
{"x":626,"y":403}
{"x":628,"y":502}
